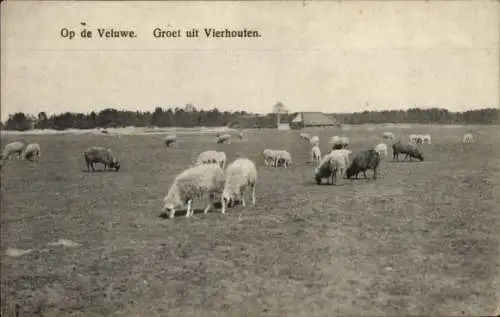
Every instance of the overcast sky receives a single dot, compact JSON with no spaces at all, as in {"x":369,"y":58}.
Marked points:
{"x":312,"y":56}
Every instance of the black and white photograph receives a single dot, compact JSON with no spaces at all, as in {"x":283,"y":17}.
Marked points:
{"x":250,"y":158}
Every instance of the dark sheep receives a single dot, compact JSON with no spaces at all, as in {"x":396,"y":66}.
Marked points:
{"x":97,"y":154}
{"x":363,"y":161}
{"x":410,"y":150}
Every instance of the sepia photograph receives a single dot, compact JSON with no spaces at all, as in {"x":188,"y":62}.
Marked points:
{"x":250,"y":158}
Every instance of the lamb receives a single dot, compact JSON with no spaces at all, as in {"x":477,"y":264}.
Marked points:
{"x":388,"y":136}
{"x":240,"y":174}
{"x":98,"y":154}
{"x":195,"y":182}
{"x":170,"y":140}
{"x":211,"y":156}
{"x":304,"y":137}
{"x":468,"y":138}
{"x":363,"y":161}
{"x":314,"y":140}
{"x":410,"y":150}
{"x":223,"y":138}
{"x":32,"y":152}
{"x":381,"y":149}
{"x":315,"y":154}
{"x":13,"y":150}
{"x":328,"y":167}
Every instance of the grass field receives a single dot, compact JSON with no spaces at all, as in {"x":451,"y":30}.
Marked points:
{"x":422,"y":239}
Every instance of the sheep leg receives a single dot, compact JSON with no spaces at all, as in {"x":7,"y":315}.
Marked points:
{"x":374,"y":173}
{"x":172,"y":213}
{"x":207,"y":208}
{"x":364,"y":174}
{"x":253,"y":194}
{"x":243,"y":199}
{"x":188,"y":210}
{"x":223,"y":205}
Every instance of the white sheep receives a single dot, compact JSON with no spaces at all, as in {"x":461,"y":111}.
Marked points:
{"x":346,"y":153}
{"x":282,"y":156}
{"x":32,"y":152}
{"x":329,"y":166}
{"x":381,"y":149}
{"x":468,"y":138}
{"x":224,"y":138}
{"x":212,"y":156}
{"x":314,"y":140}
{"x":239,"y":175}
{"x":426,"y":138}
{"x":195,"y":182}
{"x":315,"y":154}
{"x":413,"y":138}
{"x":304,"y":137}
{"x":170,"y":139}
{"x":388,"y":136}
{"x":13,"y":150}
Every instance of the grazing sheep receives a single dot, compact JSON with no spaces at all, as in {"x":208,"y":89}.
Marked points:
{"x":211,"y":156}
{"x":381,"y":149}
{"x":315,"y":154}
{"x":363,"y":161}
{"x":426,"y":138}
{"x":410,"y":150}
{"x":304,"y":137}
{"x":195,"y":182}
{"x":268,"y":156}
{"x":13,"y":150}
{"x":328,"y":167}
{"x":468,"y":138}
{"x":170,"y":139}
{"x":314,"y":140}
{"x":32,"y":152}
{"x":240,"y":174}
{"x":388,"y":136}
{"x":98,"y":154}
{"x":224,"y":138}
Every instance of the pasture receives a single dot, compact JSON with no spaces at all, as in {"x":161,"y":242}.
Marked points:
{"x":422,"y":239}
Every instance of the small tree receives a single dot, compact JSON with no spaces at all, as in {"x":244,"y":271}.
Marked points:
{"x":279,"y":108}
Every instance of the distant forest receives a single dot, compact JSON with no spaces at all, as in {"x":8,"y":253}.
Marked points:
{"x":189,"y":116}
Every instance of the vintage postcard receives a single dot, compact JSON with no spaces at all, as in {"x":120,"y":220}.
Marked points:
{"x":250,"y":158}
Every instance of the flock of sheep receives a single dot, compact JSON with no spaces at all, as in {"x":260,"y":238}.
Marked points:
{"x":210,"y":178}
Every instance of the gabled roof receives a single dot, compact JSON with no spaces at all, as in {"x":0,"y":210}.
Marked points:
{"x":313,"y":118}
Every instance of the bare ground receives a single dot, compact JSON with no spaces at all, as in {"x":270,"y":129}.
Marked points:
{"x":422,"y":239}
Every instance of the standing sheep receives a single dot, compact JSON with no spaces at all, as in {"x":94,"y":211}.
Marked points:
{"x":315,"y":154}
{"x":32,"y":152}
{"x":413,"y":138}
{"x":362,"y":162}
{"x":224,"y":138}
{"x":195,"y":182}
{"x":240,"y":174}
{"x":328,"y":167}
{"x":410,"y":150}
{"x":98,"y":154}
{"x":468,"y":138}
{"x":388,"y":136}
{"x":211,"y":156}
{"x":314,"y":141}
{"x":170,"y":140}
{"x":381,"y":149}
{"x":13,"y":150}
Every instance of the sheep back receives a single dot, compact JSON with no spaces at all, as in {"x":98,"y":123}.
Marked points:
{"x":365,"y":160}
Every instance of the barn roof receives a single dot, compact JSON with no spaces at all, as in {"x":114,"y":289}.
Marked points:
{"x":313,"y":119}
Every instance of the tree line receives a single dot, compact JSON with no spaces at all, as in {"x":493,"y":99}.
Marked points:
{"x":189,"y":116}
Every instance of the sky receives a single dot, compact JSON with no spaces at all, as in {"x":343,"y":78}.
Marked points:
{"x":329,"y":56}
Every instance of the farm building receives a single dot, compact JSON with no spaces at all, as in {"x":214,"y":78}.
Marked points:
{"x":312,"y":119}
